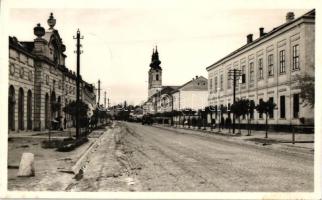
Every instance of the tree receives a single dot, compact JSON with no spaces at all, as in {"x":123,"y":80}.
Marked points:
{"x":208,"y":110}
{"x":266,"y":107}
{"x":251,"y":108}
{"x":77,"y":107}
{"x":306,"y":84}
{"x":239,"y":108}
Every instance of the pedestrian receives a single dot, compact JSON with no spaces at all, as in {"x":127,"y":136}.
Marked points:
{"x":222,"y":121}
{"x":65,"y":123}
{"x":228,"y":122}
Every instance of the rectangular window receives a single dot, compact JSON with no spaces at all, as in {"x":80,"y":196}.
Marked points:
{"x":228,"y":81}
{"x":271,"y":114}
{"x":221,"y":81}
{"x":282,"y":61}
{"x":270,"y":63}
{"x":296,"y":105}
{"x":260,"y":114}
{"x":251,"y":71}
{"x":216,"y":83}
{"x":260,"y":69}
{"x":296,"y":57}
{"x":210,"y":85}
{"x":282,"y":106}
{"x":243,"y":72}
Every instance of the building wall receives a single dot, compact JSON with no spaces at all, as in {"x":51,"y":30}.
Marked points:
{"x":21,"y":76}
{"x":154,"y":85}
{"x":35,"y":70}
{"x":280,"y":84}
{"x":192,"y":99}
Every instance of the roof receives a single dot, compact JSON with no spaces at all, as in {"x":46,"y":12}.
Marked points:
{"x":310,"y":14}
{"x":199,"y":77}
{"x":21,"y":46}
{"x":170,"y":86}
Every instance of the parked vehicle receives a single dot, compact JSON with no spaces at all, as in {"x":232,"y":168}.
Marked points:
{"x":147,"y":119}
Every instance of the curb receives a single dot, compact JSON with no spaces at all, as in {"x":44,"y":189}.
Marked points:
{"x":80,"y":162}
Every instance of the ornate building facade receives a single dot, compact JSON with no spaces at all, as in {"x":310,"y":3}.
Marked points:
{"x":270,"y":66}
{"x":40,"y":84}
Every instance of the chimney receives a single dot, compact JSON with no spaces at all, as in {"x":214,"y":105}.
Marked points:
{"x":249,"y":38}
{"x":289,"y":16}
{"x":261,"y":32}
{"x":196,"y":77}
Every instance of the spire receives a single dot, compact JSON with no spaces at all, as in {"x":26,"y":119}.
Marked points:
{"x":155,"y":62}
{"x":156,"y":53}
{"x":152,"y":57}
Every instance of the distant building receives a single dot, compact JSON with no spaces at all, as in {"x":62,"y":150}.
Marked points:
{"x":192,"y":94}
{"x":269,"y":66}
{"x":40,"y":84}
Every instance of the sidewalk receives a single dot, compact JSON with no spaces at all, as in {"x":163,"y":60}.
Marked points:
{"x":55,"y":134}
{"x":276,"y":140}
{"x":42,"y":134}
{"x":52,"y":168}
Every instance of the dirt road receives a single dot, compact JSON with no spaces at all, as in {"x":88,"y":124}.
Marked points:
{"x":145,"y":158}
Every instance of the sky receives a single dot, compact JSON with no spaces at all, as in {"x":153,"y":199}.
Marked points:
{"x":118,"y":41}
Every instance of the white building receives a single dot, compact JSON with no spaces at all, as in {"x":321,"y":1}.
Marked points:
{"x":192,"y":94}
{"x":270,"y":65}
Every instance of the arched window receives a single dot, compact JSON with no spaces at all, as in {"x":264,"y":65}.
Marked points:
{"x":21,"y":109}
{"x":59,"y":104}
{"x":29,"y":110}
{"x":46,"y":110}
{"x":11,"y":106}
{"x":157,"y":77}
{"x":53,"y":105}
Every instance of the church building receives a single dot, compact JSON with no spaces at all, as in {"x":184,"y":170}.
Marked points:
{"x":165,"y":98}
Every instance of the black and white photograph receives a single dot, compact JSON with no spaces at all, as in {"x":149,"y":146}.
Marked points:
{"x":151,"y":99}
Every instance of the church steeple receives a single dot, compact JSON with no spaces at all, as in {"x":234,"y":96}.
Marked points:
{"x":155,"y":73}
{"x":155,"y":61}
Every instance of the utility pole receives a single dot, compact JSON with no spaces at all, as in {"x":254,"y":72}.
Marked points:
{"x":78,"y":52}
{"x":108,"y":103}
{"x":99,"y":92}
{"x":234,"y":75}
{"x":104,"y":99}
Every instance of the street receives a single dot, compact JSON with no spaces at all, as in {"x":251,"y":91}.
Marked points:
{"x":144,"y":158}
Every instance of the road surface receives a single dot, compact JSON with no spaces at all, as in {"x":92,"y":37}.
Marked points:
{"x":144,"y":158}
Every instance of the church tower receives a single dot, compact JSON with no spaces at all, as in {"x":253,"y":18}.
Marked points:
{"x":155,"y":74}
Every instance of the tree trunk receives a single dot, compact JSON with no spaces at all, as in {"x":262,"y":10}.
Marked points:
{"x":211,"y":121}
{"x":266,"y":136}
{"x":189,"y":121}
{"x":239,"y":125}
